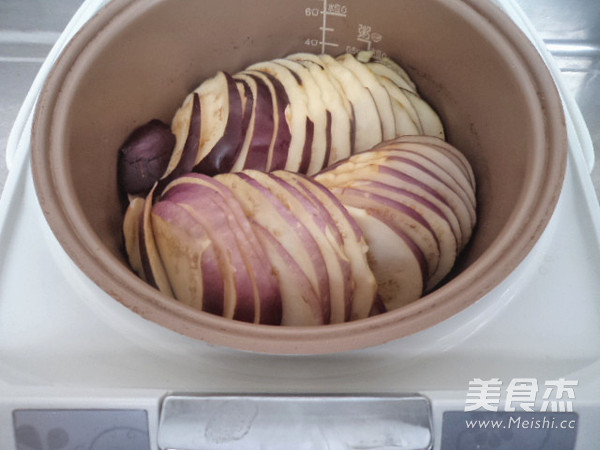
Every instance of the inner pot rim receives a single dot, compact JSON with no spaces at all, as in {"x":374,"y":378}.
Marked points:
{"x":70,"y":227}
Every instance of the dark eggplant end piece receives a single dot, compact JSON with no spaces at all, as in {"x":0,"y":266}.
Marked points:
{"x":144,"y":157}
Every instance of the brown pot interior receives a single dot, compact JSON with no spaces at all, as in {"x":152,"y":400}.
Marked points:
{"x":136,"y":60}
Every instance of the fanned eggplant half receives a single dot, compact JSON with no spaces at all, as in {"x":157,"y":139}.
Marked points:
{"x":300,"y":113}
{"x":414,"y":198}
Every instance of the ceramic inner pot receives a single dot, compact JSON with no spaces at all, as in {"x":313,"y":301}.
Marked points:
{"x":136,"y":60}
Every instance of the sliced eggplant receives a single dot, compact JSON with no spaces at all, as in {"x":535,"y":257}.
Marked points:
{"x":186,"y":127}
{"x":346,"y":229}
{"x":318,"y":223}
{"x":393,"y":259}
{"x":400,"y":79}
{"x":406,"y":116}
{"x":206,"y":208}
{"x":367,"y":124}
{"x":296,"y":116}
{"x":426,"y":169}
{"x":392,"y":180}
{"x":189,"y":258}
{"x":318,"y":112}
{"x":131,"y":233}
{"x":153,"y":270}
{"x":398,"y":216}
{"x":435,"y":217}
{"x":260,"y":133}
{"x":274,"y":217}
{"x":245,"y":253}
{"x":443,"y":166}
{"x":379,"y":93}
{"x":221,"y":136}
{"x":339,"y":107}
{"x":390,"y":163}
{"x":394,"y":66}
{"x":301,"y":305}
{"x":430,"y":121}
{"x":451,"y":152}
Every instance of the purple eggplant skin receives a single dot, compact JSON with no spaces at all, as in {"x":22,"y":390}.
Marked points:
{"x":188,"y":155}
{"x":144,"y":157}
{"x":223,"y":155}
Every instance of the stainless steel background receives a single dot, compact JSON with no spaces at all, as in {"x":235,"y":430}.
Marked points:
{"x":570,"y":28}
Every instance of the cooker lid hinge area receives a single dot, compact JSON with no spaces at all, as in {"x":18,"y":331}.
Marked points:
{"x":190,"y":422}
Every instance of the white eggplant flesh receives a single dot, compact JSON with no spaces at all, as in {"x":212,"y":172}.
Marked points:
{"x":152,"y":267}
{"x":407,"y":118}
{"x":342,"y":120}
{"x":318,"y":223}
{"x":418,"y":185}
{"x":391,"y":180}
{"x":368,"y":129}
{"x":399,"y":79}
{"x":363,"y":283}
{"x":395,"y":266}
{"x":317,"y":111}
{"x":446,"y":239}
{"x":397,"y":216}
{"x":379,"y":93}
{"x":189,"y":258}
{"x":273,"y":217}
{"x":131,"y":233}
{"x":213,"y":205}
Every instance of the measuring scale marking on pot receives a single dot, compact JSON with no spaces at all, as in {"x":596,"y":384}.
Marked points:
{"x":330,"y":14}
